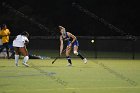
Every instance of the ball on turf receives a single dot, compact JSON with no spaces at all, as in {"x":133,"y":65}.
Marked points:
{"x":92,"y":41}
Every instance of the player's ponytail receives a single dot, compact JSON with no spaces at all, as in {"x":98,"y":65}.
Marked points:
{"x":25,"y":33}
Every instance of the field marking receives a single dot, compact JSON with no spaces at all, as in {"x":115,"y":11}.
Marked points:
{"x":21,"y":76}
{"x":104,"y":88}
{"x":90,"y":88}
{"x":70,"y":88}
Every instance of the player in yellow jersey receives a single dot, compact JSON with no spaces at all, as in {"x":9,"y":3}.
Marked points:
{"x":5,"y":33}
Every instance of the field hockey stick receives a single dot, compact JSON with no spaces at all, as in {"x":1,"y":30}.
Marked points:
{"x":58,"y":56}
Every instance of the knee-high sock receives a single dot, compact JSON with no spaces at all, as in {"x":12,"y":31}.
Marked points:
{"x":69,"y":60}
{"x":26,"y":58}
{"x":79,"y":55}
{"x":16,"y":58}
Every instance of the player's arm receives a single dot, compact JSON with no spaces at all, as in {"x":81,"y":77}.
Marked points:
{"x":5,"y":34}
{"x":72,"y":36}
{"x":61,"y":44}
{"x":0,"y":33}
{"x":8,"y":32}
{"x":26,"y":41}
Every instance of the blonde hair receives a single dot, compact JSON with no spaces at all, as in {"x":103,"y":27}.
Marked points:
{"x":61,"y":27}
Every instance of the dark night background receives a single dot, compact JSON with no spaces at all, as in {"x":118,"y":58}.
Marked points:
{"x":123,"y":14}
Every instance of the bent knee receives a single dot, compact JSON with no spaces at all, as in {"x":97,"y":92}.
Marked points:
{"x":75,"y":52}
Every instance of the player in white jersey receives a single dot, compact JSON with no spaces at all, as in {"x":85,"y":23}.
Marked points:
{"x":19,"y":44}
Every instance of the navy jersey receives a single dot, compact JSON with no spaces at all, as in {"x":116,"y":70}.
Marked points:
{"x":69,"y":39}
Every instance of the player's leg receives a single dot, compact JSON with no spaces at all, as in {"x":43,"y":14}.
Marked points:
{"x":24,"y":52}
{"x":7,"y":50}
{"x":2,"y":47}
{"x":68,"y":49}
{"x":16,"y":49}
{"x":75,"y":51}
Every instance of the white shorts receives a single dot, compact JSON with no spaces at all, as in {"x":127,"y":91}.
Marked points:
{"x":18,"y":44}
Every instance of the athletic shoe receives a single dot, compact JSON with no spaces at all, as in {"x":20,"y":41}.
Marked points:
{"x":85,"y":60}
{"x":69,"y":64}
{"x":25,"y":64}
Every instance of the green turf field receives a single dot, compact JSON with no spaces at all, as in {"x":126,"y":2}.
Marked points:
{"x":97,"y":76}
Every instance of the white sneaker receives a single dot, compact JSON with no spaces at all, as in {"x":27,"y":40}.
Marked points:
{"x":85,"y":60}
{"x":69,"y":64}
{"x":25,"y":64}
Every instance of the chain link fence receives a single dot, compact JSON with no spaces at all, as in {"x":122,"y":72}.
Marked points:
{"x":103,"y":47}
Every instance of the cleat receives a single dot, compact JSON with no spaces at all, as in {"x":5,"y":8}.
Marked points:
{"x":25,"y":64}
{"x":69,"y":64}
{"x":85,"y":60}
